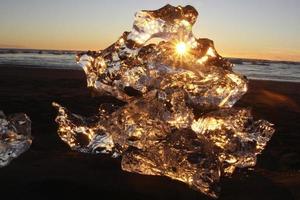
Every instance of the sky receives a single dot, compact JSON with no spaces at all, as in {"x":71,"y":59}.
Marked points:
{"x":266,"y":29}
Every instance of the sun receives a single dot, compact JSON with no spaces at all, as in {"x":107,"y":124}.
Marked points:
{"x":181,"y":48}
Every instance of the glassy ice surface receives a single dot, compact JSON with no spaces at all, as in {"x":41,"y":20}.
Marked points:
{"x":178,"y":121}
{"x":15,"y":136}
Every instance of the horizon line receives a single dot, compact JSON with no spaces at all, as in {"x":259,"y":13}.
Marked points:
{"x":81,"y":50}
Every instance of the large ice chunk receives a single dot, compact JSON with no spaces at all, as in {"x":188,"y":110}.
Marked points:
{"x":178,"y":120}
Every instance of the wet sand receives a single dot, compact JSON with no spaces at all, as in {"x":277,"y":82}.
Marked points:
{"x":50,"y":170}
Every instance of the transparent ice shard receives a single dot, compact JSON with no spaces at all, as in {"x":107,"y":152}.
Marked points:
{"x":15,"y":136}
{"x":129,"y":68}
{"x":236,"y":136}
{"x":178,"y":120}
{"x":181,"y":156}
{"x":158,"y":139}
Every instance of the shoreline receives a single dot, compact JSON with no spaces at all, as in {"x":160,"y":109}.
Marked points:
{"x":76,"y":67}
{"x":50,"y":166}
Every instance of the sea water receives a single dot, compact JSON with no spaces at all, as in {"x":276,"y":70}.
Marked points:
{"x":268,"y":70}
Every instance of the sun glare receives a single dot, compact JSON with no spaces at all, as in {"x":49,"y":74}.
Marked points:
{"x":181,"y":48}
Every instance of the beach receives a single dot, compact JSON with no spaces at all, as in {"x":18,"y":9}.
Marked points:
{"x":49,"y":169}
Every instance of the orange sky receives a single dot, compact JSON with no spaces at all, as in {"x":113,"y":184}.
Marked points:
{"x":266,"y":29}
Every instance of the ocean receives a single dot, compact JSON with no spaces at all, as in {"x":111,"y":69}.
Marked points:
{"x":253,"y":69}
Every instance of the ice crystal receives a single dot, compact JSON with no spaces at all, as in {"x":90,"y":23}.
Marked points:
{"x":178,"y":119}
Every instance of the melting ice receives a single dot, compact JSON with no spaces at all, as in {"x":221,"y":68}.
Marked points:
{"x":15,"y":136}
{"x":179,"y":120}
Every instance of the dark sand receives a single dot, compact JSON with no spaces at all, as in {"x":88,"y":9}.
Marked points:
{"x":49,"y":170}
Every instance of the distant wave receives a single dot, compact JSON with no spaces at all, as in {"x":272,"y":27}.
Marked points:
{"x":273,"y":71}
{"x":36,"y":51}
{"x":241,"y":61}
{"x":51,"y":59}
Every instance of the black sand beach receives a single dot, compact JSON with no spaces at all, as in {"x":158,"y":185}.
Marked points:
{"x":50,"y":170}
